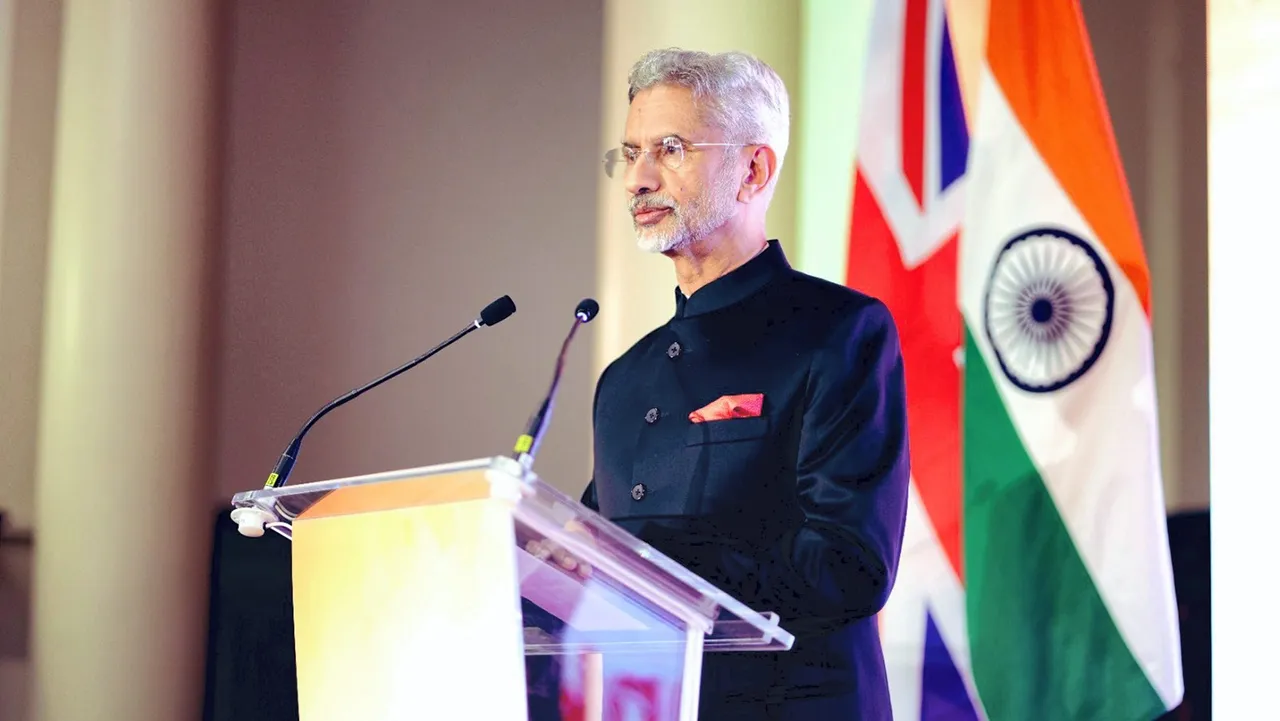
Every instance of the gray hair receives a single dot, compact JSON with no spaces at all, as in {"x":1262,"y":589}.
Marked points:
{"x":736,"y":92}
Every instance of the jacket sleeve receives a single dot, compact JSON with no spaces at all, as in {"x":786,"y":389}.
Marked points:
{"x":852,"y":472}
{"x":589,"y":498}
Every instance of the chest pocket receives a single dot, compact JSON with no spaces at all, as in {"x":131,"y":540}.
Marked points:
{"x":729,"y":461}
{"x":727,"y":431}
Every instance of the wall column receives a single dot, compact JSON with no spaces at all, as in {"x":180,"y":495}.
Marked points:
{"x":122,"y":506}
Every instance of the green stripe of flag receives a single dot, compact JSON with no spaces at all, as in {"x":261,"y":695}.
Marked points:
{"x":1043,"y":644}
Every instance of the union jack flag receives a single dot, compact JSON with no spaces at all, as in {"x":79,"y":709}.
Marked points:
{"x":904,"y":233}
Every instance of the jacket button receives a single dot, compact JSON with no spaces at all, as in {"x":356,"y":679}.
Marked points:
{"x":638,"y":491}
{"x":652,"y":416}
{"x":673,"y":350}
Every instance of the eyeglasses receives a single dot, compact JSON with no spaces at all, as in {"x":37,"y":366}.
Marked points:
{"x":670,"y":152}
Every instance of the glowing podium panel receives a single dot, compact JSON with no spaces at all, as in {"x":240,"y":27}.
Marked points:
{"x":418,"y":594}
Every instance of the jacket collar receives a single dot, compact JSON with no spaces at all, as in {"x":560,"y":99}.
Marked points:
{"x":735,"y":285}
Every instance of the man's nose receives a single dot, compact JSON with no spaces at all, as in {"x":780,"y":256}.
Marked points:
{"x":643,"y":176}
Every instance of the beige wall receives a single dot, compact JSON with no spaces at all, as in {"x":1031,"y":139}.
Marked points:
{"x":1151,"y":61}
{"x":29,"y":47}
{"x":391,"y":168}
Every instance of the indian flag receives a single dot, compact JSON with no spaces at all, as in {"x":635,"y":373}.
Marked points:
{"x":1035,"y":580}
{"x":1068,"y":583}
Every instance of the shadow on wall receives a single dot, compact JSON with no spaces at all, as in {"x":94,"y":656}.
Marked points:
{"x":15,"y":593}
{"x":251,"y":663}
{"x":15,"y":622}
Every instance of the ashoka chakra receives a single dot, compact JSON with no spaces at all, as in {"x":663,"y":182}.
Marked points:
{"x":1048,"y":309}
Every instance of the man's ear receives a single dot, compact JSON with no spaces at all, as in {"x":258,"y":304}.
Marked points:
{"x":762,"y":166}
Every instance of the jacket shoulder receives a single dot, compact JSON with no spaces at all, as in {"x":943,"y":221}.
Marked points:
{"x":628,"y":356}
{"x":837,"y":304}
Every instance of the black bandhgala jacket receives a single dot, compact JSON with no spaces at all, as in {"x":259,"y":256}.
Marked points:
{"x":799,"y":510}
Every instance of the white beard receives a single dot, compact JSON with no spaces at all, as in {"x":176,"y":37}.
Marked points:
{"x":697,"y":219}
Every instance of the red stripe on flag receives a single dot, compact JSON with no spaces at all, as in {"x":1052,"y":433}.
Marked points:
{"x":923,"y":303}
{"x":913,"y":96}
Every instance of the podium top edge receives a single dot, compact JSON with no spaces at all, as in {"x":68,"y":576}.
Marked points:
{"x":499,"y":463}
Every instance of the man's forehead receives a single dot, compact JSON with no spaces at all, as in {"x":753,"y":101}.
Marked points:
{"x":662,"y":112}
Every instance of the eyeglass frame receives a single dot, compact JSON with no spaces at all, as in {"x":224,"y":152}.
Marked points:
{"x":684,"y":146}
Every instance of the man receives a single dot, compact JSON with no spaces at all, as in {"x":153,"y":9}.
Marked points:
{"x":758,"y":437}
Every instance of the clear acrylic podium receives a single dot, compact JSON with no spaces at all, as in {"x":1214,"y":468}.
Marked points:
{"x":418,"y":594}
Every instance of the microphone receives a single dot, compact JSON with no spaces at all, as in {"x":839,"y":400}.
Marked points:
{"x":527,"y":444}
{"x":493,"y":314}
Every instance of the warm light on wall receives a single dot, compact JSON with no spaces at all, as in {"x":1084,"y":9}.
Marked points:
{"x":1244,"y":388}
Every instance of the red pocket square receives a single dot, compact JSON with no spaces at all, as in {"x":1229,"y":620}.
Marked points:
{"x":746,"y":405}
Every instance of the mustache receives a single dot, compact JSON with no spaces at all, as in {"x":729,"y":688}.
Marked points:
{"x":650,"y":202}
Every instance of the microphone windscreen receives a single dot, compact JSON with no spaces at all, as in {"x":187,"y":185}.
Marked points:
{"x":497,"y":311}
{"x":587,"y":310}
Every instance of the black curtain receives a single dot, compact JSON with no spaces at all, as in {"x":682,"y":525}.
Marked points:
{"x":251,"y":670}
{"x":1189,"y":548}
